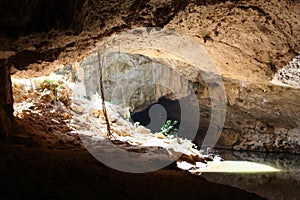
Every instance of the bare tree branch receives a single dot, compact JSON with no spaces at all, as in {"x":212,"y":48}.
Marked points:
{"x":102,"y":97}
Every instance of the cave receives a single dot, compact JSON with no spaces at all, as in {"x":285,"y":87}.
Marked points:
{"x":172,"y":112}
{"x":88,"y":88}
{"x":167,"y":109}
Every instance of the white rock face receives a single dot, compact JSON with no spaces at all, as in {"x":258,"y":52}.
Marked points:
{"x":255,"y":109}
{"x":145,"y":151}
{"x":255,"y":112}
{"x":289,"y":75}
{"x":132,"y":80}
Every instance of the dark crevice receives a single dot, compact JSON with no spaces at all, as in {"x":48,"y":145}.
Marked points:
{"x":161,"y":15}
{"x":212,"y":2}
{"x":138,"y":5}
{"x":25,"y":17}
{"x":258,"y":9}
{"x":21,"y":60}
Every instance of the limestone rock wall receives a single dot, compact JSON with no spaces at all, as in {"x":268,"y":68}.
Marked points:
{"x":260,"y":117}
{"x":131,"y":80}
{"x":6,"y":102}
{"x":248,"y":40}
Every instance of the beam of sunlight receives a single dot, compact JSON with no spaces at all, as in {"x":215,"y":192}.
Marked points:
{"x":236,"y":167}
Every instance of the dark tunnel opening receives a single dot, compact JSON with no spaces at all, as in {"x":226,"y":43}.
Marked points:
{"x":173,"y":112}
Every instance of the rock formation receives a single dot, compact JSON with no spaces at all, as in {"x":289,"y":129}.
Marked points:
{"x":249,"y":41}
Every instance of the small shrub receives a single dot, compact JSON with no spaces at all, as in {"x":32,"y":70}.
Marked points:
{"x":59,"y":90}
{"x":169,"y":129}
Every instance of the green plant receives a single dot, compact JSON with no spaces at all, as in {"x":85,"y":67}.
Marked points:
{"x":169,"y":129}
{"x":59,"y":90}
{"x":53,"y":85}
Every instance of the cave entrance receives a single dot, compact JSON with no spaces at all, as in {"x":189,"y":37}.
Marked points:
{"x":49,"y":102}
{"x":156,"y":114}
{"x":135,"y":82}
{"x":160,"y":70}
{"x":179,"y":53}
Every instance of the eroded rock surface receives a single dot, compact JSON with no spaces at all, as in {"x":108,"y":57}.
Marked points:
{"x":248,"y":40}
{"x":260,"y":117}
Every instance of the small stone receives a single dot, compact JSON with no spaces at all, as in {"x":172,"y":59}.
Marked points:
{"x":110,"y":119}
{"x":95,"y":113}
{"x":105,"y":134}
{"x":121,"y":122}
{"x":208,"y":158}
{"x":193,"y":159}
{"x":113,"y":119}
{"x":65,"y":115}
{"x":20,"y":115}
{"x":47,"y":96}
{"x":77,"y":109}
{"x":18,"y":98}
{"x":142,"y":130}
{"x":160,"y":136}
{"x":121,"y":133}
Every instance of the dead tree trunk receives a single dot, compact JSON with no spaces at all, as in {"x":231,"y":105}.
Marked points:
{"x":102,"y":97}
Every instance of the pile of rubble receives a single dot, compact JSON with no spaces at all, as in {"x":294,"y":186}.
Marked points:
{"x":41,"y":108}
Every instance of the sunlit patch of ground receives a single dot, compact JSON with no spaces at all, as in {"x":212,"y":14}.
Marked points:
{"x":237,"y":167}
{"x":47,"y":107}
{"x":40,"y":103}
{"x":227,"y":167}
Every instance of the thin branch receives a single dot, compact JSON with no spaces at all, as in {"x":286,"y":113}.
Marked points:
{"x":102,"y":97}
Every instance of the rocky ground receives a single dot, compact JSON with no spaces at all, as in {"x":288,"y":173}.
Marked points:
{"x":249,"y":41}
{"x":54,"y":117}
{"x":48,"y":158}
